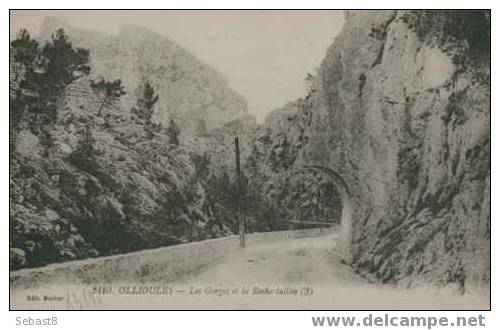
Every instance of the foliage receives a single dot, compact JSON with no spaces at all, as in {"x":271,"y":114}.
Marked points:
{"x":38,"y":75}
{"x":25,"y":49}
{"x":17,"y":258}
{"x":146,"y":102}
{"x":109,"y":92}
{"x":173,"y":132}
{"x":86,"y":141}
{"x":464,"y":34}
{"x":144,"y":108}
{"x":102,"y":189}
{"x":61,"y":64}
{"x":113,"y":193}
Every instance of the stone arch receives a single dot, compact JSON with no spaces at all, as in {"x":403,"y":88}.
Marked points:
{"x":347,"y":205}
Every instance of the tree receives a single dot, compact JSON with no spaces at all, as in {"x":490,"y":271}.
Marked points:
{"x":86,"y":141}
{"x":23,"y":53}
{"x":108,"y":92}
{"x":43,"y":72}
{"x":61,"y":63}
{"x":173,"y":132}
{"x":81,"y":157}
{"x":463,"y":34}
{"x":201,"y":164}
{"x":37,"y":77}
{"x":144,"y":108}
{"x":25,"y":49}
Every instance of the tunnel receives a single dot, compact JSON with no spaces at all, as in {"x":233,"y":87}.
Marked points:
{"x":346,"y":199}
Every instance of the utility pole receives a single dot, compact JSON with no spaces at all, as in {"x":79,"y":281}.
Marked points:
{"x":241,"y":223}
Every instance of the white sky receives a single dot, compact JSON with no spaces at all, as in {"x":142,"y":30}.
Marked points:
{"x":265,"y":55}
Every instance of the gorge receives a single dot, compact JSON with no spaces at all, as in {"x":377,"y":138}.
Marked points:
{"x":391,"y":141}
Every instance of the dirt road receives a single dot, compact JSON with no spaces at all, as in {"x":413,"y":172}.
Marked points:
{"x":310,"y":262}
{"x":298,"y":273}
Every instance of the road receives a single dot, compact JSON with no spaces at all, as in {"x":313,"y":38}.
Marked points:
{"x":297,"y":273}
{"x":310,"y":262}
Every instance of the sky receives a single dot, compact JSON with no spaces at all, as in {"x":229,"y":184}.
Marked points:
{"x":265,"y":55}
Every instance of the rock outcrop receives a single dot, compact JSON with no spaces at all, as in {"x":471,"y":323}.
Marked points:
{"x":400,"y":108}
{"x":92,"y":178}
{"x":102,"y":187}
{"x":192,"y":93}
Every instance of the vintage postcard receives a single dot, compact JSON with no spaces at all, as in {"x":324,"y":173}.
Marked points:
{"x":249,"y":160}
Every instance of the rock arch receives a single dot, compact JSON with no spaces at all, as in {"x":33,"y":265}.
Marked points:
{"x":347,"y":205}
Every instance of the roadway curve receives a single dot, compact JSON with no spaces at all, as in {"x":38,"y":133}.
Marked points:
{"x":296,"y":263}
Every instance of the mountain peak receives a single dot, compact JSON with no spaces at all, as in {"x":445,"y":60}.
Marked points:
{"x":190,"y":91}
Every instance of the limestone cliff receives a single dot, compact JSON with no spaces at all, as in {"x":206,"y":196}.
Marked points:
{"x":102,"y":187}
{"x":88,"y":176}
{"x":193,"y":93}
{"x":400,"y":108}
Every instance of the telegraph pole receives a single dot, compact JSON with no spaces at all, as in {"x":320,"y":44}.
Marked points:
{"x":241,"y":222}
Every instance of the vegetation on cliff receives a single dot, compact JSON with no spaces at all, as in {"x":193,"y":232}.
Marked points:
{"x":400,"y":109}
{"x":89,"y":179}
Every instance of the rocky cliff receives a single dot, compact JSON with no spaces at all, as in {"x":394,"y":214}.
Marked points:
{"x":193,"y":94}
{"x":89,"y":177}
{"x":400,"y":108}
{"x":102,"y":187}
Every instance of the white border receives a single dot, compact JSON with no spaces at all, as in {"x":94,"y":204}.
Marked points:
{"x":221,"y":320}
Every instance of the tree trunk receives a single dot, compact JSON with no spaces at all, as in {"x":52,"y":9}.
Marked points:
{"x":102,"y":106}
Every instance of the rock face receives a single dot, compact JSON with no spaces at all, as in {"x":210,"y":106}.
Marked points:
{"x":404,"y":118}
{"x":193,"y":94}
{"x":93,"y":178}
{"x":102,"y":187}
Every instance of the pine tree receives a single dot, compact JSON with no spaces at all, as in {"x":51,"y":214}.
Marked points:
{"x":146,"y":102}
{"x":173,"y":132}
{"x":108,"y":92}
{"x":23,"y":54}
{"x":61,"y":63}
{"x":144,"y":108}
{"x":46,"y":71}
{"x":40,"y":74}
{"x":86,"y":141}
{"x":25,"y":49}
